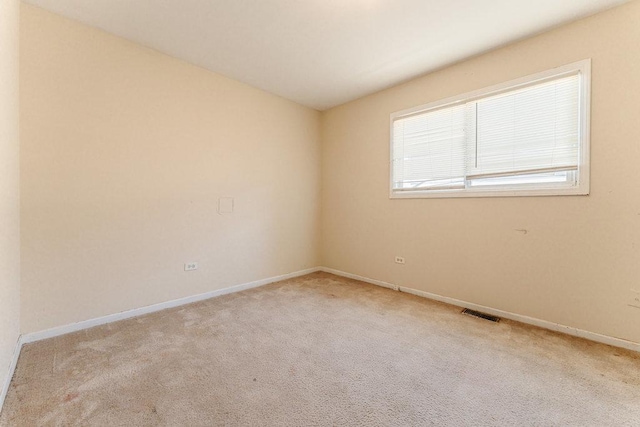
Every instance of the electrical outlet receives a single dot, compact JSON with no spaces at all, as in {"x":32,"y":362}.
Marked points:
{"x":399,"y":260}
{"x":190,"y":266}
{"x":634,"y":298}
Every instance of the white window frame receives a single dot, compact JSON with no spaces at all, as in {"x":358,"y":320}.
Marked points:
{"x":582,"y":179}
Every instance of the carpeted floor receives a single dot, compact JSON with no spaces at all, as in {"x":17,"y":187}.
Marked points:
{"x":321,"y":350}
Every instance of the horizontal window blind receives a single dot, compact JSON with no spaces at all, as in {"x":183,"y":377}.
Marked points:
{"x":529,"y":130}
{"x":530,"y":135}
{"x":429,"y":149}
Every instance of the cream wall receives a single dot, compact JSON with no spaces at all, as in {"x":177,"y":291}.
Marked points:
{"x":9,"y":187}
{"x":125,"y":152}
{"x":580,"y":255}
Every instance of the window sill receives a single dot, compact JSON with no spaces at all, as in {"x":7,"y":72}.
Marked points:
{"x":582,"y":190}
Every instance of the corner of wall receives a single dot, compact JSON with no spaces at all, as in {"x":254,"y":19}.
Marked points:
{"x":12,"y":369}
{"x":9,"y":192}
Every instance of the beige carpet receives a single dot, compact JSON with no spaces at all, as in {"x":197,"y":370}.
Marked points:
{"x":321,"y":350}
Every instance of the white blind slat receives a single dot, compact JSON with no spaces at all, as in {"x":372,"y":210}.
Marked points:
{"x":528,"y":129}
{"x":518,"y":132}
{"x":429,"y":147}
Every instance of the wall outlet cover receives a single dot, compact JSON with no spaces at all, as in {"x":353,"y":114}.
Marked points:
{"x":225,"y":205}
{"x":190,"y":266}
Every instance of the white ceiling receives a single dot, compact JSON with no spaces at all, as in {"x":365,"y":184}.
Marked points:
{"x":322,"y":53}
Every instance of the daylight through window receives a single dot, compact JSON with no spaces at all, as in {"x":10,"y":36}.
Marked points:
{"x":526,"y":137}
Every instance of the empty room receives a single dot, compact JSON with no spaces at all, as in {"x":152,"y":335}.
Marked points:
{"x":313,"y":212}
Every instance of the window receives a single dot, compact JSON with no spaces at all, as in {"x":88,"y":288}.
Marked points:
{"x":528,"y":137}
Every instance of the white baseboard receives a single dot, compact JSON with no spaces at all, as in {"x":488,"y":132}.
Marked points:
{"x":361,"y":278}
{"x":86,"y":324}
{"x":12,"y":370}
{"x":61,"y":330}
{"x":592,"y":336}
